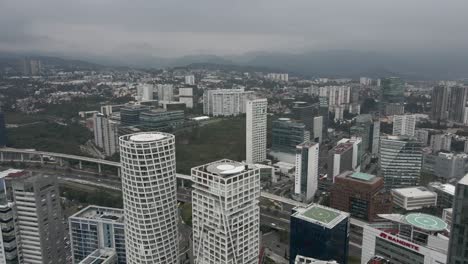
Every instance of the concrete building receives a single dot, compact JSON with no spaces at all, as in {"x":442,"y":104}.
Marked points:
{"x":305,"y":260}
{"x":317,"y":133}
{"x":225,"y":211}
{"x":337,"y":95}
{"x":393,"y":90}
{"x":225,"y":102}
{"x":101,"y":256}
{"x":391,"y":109}
{"x":447,"y":216}
{"x":287,"y":134}
{"x":360,"y":194}
{"x":39,"y":228}
{"x":400,"y":161}
{"x":165,"y":92}
{"x":441,"y":142}
{"x":458,"y":246}
{"x":186,"y":96}
{"x":440,"y":103}
{"x":282,"y":77}
{"x":319,"y":232}
{"x":340,"y":159}
{"x":457,"y":104}
{"x":8,"y":247}
{"x":446,"y":165}
{"x":130,"y":114}
{"x":365,"y":81}
{"x":95,"y":228}
{"x":190,"y":80}
{"x":403,"y":125}
{"x":106,"y":134}
{"x":305,"y":113}
{"x":422,"y":135}
{"x":358,"y":151}
{"x":445,"y":193}
{"x":149,"y":197}
{"x":306,"y":176}
{"x":146,"y":92}
{"x":414,"y":198}
{"x":406,"y":239}
{"x":256,"y":130}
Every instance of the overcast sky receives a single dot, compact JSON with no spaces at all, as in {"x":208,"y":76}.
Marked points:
{"x":227,"y":27}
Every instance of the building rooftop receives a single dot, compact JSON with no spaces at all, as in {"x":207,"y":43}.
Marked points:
{"x":321,"y":215}
{"x":415,"y":192}
{"x":225,"y":167}
{"x":447,"y":188}
{"x":101,"y":213}
{"x":464,"y":180}
{"x":342,"y":148}
{"x":100,"y":256}
{"x":9,"y":172}
{"x":426,"y":222}
{"x":362,"y":176}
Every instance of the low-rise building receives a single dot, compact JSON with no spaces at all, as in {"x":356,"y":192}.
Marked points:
{"x":445,"y":194}
{"x":413,"y":198}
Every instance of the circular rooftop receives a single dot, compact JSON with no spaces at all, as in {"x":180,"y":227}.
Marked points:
{"x":426,"y":222}
{"x":147,"y":137}
{"x":226,"y":168}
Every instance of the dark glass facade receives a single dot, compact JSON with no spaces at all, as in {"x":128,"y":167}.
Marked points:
{"x":458,"y":245}
{"x":286,"y":135}
{"x":393,"y":90}
{"x":162,"y":120}
{"x":313,"y":240}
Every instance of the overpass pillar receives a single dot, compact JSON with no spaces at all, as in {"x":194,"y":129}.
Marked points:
{"x":1,"y":156}
{"x":80,"y":164}
{"x":182,"y":181}
{"x":99,"y":168}
{"x":42,"y":159}
{"x":60,"y":162}
{"x":22,"y":157}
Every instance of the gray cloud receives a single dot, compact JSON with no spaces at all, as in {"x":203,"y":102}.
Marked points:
{"x":176,"y":27}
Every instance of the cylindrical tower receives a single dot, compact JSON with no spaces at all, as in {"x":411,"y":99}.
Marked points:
{"x":149,"y":197}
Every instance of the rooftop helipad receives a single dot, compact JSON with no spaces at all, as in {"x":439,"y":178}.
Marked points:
{"x":426,"y":222}
{"x":322,"y":215}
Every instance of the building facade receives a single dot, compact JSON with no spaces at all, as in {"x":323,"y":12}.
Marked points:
{"x":414,"y":198}
{"x":287,"y":134}
{"x":225,"y":102}
{"x":165,"y":92}
{"x":393,"y":90}
{"x":95,"y":228}
{"x":319,"y":232}
{"x":158,"y":120}
{"x":39,"y":225}
{"x":256,"y":130}
{"x":360,"y":194}
{"x":225,"y":211}
{"x":457,"y":104}
{"x":306,"y":175}
{"x":106,"y":134}
{"x":458,"y":245}
{"x":403,"y":125}
{"x":340,"y":159}
{"x":149,"y":197}
{"x":400,"y":161}
{"x":440,"y":103}
{"x":441,"y":142}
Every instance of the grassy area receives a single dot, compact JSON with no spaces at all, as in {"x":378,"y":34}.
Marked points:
{"x":49,"y":137}
{"x":218,"y":140}
{"x":354,"y":260}
{"x":87,"y":195}
{"x":186,"y":213}
{"x":22,"y":118}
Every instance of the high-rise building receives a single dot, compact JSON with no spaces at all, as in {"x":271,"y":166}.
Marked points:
{"x":225,"y":102}
{"x":391,"y":109}
{"x":375,"y":132}
{"x":458,"y":245}
{"x":147,"y":92}
{"x":97,"y":227}
{"x":440,"y":103}
{"x":340,"y":159}
{"x":360,"y":194}
{"x":306,"y":176}
{"x":149,"y":197}
{"x":337,"y":95}
{"x":256,"y":130}
{"x":40,"y":232}
{"x":317,"y":133}
{"x":457,"y":104}
{"x":393,"y":90}
{"x":319,"y":232}
{"x":446,"y":165}
{"x":8,"y":247}
{"x":305,"y":113}
{"x":283,"y":77}
{"x":400,"y":161}
{"x":445,"y":193}
{"x":441,"y":142}
{"x":106,"y":134}
{"x":422,"y":135}
{"x":403,"y":125}
{"x":165,"y":92}
{"x":324,"y":112}
{"x":186,"y":96}
{"x":225,"y":211}
{"x":190,"y":80}
{"x":3,"y":130}
{"x":287,"y":134}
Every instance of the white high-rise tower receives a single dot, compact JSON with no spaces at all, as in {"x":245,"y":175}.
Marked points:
{"x":225,"y":211}
{"x":306,"y":177}
{"x":149,"y":197}
{"x":256,"y":130}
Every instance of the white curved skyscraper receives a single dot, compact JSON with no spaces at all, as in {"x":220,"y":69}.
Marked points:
{"x":149,"y":197}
